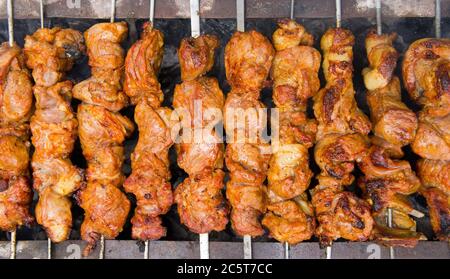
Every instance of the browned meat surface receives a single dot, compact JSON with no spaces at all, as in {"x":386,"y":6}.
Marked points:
{"x":50,"y":54}
{"x":340,"y":213}
{"x":342,"y":142}
{"x":201,"y":205}
{"x":388,"y":181}
{"x":248,"y":58}
{"x":102,"y":131}
{"x":295,"y":75}
{"x":435,"y":177}
{"x":150,"y":177}
{"x":16,"y":103}
{"x":426,"y":74}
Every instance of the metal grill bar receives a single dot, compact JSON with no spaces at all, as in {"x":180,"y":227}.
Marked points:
{"x":224,"y":9}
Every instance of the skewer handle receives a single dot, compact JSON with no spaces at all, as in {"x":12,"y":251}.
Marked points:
{"x":113,"y":10}
{"x":328,"y":252}
{"x":286,"y":251}
{"x":195,"y":18}
{"x":101,"y":253}
{"x":41,"y":12}
{"x":152,"y":11}
{"x":338,"y":13}
{"x":49,"y":249}
{"x":146,"y":255}
{"x":247,"y":247}
{"x":378,"y":11}
{"x":292,"y":8}
{"x":437,"y":18}
{"x":10,"y":10}
{"x":240,"y":15}
{"x":389,"y":221}
{"x":12,"y":254}
{"x":204,"y":246}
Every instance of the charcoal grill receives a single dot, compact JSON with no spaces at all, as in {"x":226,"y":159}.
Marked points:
{"x":411,"y":19}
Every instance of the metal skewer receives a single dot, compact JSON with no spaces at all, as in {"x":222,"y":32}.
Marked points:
{"x":379,"y":32}
{"x":41,"y":12}
{"x":151,"y":18}
{"x":328,"y":251}
{"x":338,"y":13}
{"x":378,"y":11}
{"x":9,"y":9}
{"x":49,"y":249}
{"x":41,"y":15}
{"x":286,"y":244}
{"x":113,"y":10}
{"x":389,"y":221}
{"x":195,"y":32}
{"x":292,"y":9}
{"x":101,"y":253}
{"x":13,"y":245}
{"x":437,"y":18}
{"x":286,"y":250}
{"x":240,"y":18}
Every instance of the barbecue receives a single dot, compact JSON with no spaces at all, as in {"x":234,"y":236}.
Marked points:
{"x":101,"y":122}
{"x":431,"y":90}
{"x":16,"y":106}
{"x":150,"y":179}
{"x":290,"y":216}
{"x":102,"y":131}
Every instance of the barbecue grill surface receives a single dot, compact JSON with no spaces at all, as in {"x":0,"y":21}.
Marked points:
{"x":408,"y":29}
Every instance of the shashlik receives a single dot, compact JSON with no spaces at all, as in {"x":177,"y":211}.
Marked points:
{"x":201,"y":205}
{"x":16,"y":104}
{"x":290,"y":217}
{"x":387,"y":180}
{"x":342,"y":133}
{"x":102,"y":130}
{"x":50,"y":54}
{"x":248,"y":58}
{"x":150,"y":177}
{"x":342,"y":141}
{"x":426,"y":75}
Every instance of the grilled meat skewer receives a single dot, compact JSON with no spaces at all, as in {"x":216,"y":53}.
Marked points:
{"x":342,"y":142}
{"x":150,"y":177}
{"x":290,"y":217}
{"x":102,"y":131}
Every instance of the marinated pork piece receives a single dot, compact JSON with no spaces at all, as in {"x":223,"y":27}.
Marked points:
{"x":426,"y":74}
{"x":16,"y":103}
{"x":387,"y":180}
{"x":290,"y":217}
{"x":248,"y":58}
{"x":200,"y":202}
{"x":342,"y":142}
{"x":150,"y":177}
{"x":50,"y":54}
{"x":102,"y":131}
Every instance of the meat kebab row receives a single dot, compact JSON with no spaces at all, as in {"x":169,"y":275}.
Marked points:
{"x":286,"y":205}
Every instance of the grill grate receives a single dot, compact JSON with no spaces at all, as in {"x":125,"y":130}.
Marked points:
{"x":179,"y":242}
